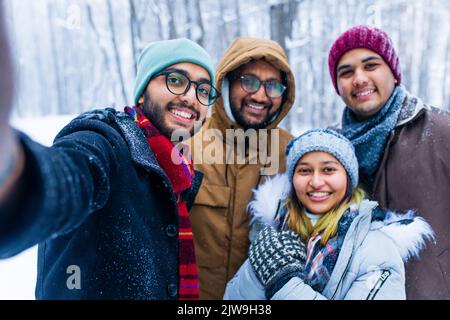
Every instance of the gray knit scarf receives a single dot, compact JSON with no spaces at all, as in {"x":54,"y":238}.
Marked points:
{"x":369,"y":137}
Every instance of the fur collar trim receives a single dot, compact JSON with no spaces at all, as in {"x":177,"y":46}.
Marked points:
{"x":406,"y":230}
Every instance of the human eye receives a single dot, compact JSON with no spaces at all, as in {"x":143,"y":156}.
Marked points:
{"x":303,"y":171}
{"x":371,"y":66}
{"x":250,"y":82}
{"x":329,"y":170}
{"x":204,"y":90}
{"x":275,"y":88}
{"x":176,"y":79}
{"x":345,"y":73}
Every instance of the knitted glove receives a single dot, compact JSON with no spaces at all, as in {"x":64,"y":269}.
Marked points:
{"x":276,"y":257}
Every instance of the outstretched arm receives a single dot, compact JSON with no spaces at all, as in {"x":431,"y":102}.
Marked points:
{"x":47,"y":192}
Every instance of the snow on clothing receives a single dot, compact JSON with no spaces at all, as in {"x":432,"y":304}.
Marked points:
{"x":415,"y":173}
{"x":180,"y":174}
{"x":362,"y":270}
{"x":103,"y":204}
{"x":219,"y":217}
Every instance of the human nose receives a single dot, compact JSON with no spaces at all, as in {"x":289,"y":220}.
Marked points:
{"x":260,"y":94}
{"x":360,"y":78}
{"x":190,"y":96}
{"x":316,"y":180}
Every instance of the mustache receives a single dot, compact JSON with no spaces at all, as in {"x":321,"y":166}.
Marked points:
{"x":184,"y":105}
{"x":265,"y":104}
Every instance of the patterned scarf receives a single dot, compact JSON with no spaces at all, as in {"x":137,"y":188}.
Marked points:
{"x":321,"y":259}
{"x":180,"y":176}
{"x":369,"y":137}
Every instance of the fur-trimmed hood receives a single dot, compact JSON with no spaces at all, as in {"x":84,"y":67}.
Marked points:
{"x":408,"y":231}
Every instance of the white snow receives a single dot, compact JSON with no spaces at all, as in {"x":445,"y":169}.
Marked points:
{"x":18,"y":274}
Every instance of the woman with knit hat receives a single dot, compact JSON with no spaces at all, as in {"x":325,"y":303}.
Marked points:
{"x":402,"y":146}
{"x":314,"y":236}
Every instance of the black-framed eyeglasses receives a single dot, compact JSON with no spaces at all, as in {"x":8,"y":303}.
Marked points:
{"x":251,"y":84}
{"x":178,"y":84}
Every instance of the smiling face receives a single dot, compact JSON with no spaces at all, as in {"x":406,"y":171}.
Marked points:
{"x":254,"y":110}
{"x":365,"y":82}
{"x":320,"y":182}
{"x":169,"y":112}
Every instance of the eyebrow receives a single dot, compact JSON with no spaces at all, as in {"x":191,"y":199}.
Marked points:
{"x":346,"y":66}
{"x":185,"y":73}
{"x":274,"y":78}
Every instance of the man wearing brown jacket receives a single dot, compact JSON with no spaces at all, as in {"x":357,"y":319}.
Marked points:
{"x":239,"y":145}
{"x":402,"y":145}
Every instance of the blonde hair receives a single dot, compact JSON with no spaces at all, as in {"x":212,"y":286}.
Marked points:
{"x":328,"y":223}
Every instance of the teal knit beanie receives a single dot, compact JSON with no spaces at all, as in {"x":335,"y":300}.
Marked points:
{"x":161,"y":54}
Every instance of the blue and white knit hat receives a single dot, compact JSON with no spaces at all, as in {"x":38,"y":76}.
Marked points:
{"x":325,"y":140}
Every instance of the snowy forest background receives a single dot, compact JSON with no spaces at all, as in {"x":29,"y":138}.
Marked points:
{"x":75,"y":55}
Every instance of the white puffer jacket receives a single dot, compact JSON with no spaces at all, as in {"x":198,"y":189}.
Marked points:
{"x":371,"y":260}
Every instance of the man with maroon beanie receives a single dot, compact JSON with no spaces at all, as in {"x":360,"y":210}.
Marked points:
{"x":402,"y":145}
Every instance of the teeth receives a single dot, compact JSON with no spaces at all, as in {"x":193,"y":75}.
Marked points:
{"x":182,"y":114}
{"x":253,"y":106}
{"x":364,"y":93}
{"x":318,"y":194}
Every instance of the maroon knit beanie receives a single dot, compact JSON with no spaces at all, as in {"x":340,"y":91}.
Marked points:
{"x":364,"y":37}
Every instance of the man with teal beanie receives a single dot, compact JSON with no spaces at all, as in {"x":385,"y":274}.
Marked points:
{"x":107,"y":203}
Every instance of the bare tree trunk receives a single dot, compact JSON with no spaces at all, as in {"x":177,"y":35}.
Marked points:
{"x":281,"y":17}
{"x":189,"y":21}
{"x":201,"y":38}
{"x":135,"y":33}
{"x":116,"y":51}
{"x":424,"y":74}
{"x":238,"y":18}
{"x":103,"y":49}
{"x":172,"y":28}
{"x":55,"y":56}
{"x":156,"y":10}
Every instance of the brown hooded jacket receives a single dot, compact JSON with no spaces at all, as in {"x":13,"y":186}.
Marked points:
{"x":219,"y":218}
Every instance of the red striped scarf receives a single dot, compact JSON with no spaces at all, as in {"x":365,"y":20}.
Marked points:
{"x":180,"y":175}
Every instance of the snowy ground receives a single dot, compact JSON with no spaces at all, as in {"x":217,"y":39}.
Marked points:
{"x":18,"y":274}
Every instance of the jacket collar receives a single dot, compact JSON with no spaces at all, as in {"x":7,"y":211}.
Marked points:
{"x":142,"y":155}
{"x":408,"y":232}
{"x":412,"y":107}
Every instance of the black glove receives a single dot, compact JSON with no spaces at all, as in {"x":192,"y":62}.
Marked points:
{"x":276,"y":257}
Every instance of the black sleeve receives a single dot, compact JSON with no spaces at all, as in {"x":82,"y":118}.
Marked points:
{"x":59,"y":187}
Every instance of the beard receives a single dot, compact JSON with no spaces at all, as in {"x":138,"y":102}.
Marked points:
{"x":240,"y":119}
{"x":155,"y":113}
